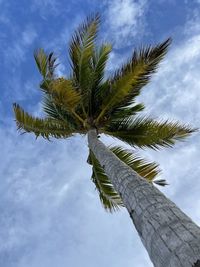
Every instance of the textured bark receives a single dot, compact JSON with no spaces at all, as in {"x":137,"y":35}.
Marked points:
{"x":170,"y":237}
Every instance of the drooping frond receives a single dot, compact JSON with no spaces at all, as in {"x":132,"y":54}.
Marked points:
{"x":109,"y":198}
{"x":147,"y":170}
{"x":146,"y":132}
{"x":81,"y":49}
{"x":128,"y":81}
{"x":40,"y":127}
{"x":45,"y":63}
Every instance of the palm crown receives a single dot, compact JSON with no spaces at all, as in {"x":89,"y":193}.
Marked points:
{"x":87,"y":100}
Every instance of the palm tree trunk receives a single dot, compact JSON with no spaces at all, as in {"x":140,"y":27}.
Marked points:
{"x":171,"y":238}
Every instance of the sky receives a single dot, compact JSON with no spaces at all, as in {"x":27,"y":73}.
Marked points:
{"x":50,"y":214}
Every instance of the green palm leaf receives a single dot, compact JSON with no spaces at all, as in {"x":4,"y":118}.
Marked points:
{"x":64,"y":93}
{"x":109,"y":198}
{"x":147,"y":170}
{"x":58,"y":112}
{"x":146,"y":132}
{"x":128,"y":81}
{"x":81,"y":50}
{"x":125,"y":113}
{"x":41,"y":127}
{"x":99,"y":60}
{"x":45,"y":63}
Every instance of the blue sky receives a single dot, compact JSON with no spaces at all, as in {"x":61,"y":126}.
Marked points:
{"x":50,"y":214}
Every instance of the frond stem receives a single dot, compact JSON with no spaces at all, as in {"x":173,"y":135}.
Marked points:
{"x":100,"y":115}
{"x":77,"y":116}
{"x":83,"y":109}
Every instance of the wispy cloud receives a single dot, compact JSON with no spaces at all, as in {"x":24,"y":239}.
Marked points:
{"x":177,"y":84}
{"x":50,"y":211}
{"x":51,"y":206}
{"x":46,"y":7}
{"x":28,"y":35}
{"x":125,"y":19}
{"x":174,"y":93}
{"x":16,"y":51}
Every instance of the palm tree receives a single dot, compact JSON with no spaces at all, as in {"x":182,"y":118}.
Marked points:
{"x":89,"y":103}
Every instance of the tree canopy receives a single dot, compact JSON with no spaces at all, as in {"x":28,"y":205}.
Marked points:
{"x":88,"y":99}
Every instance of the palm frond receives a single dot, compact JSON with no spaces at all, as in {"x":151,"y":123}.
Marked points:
{"x":40,"y":127}
{"x":81,"y":49}
{"x":146,"y":132}
{"x":147,"y":170}
{"x":125,"y":113}
{"x":128,"y":81}
{"x":109,"y":198}
{"x":64,"y":93}
{"x":45,"y":63}
{"x":58,"y":112}
{"x":99,"y":61}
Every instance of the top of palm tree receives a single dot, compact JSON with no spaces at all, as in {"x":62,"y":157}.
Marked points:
{"x":86,"y":100}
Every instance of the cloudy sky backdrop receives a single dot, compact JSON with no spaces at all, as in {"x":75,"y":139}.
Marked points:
{"x":50,"y":214}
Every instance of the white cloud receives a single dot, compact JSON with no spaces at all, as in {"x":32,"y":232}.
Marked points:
{"x":114,"y":62}
{"x":174,"y":93}
{"x":192,"y":25}
{"x":46,"y":7}
{"x":49,"y":208}
{"x":4,"y":16}
{"x":14,"y":55}
{"x":125,"y":19}
{"x":15,"y":52}
{"x":28,"y":35}
{"x":52,"y":210}
{"x":175,"y":88}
